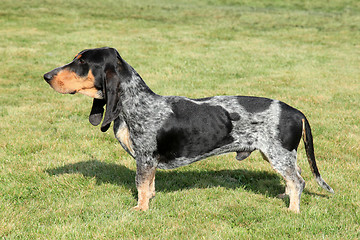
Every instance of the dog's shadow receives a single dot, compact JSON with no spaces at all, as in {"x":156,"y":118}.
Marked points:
{"x":260,"y":182}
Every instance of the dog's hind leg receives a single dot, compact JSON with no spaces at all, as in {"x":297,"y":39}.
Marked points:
{"x":287,"y":191}
{"x":284,"y":162}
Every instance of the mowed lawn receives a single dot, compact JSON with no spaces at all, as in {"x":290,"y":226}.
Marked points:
{"x":62,"y":178}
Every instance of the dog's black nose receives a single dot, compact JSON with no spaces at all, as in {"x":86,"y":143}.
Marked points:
{"x":48,"y":76}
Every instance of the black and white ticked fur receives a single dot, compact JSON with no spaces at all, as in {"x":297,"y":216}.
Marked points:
{"x":170,"y":131}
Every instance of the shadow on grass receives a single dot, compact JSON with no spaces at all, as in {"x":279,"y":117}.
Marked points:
{"x":260,"y":182}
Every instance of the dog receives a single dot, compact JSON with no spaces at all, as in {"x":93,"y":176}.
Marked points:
{"x":167,"y":132}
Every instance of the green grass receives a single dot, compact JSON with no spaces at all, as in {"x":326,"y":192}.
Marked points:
{"x":61,"y":178}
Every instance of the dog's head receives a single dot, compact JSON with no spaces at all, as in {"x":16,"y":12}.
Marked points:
{"x":96,"y":73}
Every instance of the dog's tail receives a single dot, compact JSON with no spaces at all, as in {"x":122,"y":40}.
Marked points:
{"x":309,"y":148}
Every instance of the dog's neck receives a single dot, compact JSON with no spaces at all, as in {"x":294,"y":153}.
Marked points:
{"x":136,"y":97}
{"x":133,"y":86}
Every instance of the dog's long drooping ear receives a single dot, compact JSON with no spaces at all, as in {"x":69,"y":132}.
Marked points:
{"x":97,"y":111}
{"x":114,"y":74}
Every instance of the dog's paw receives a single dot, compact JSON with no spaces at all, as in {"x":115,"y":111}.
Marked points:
{"x":294,"y":209}
{"x":140,"y":208}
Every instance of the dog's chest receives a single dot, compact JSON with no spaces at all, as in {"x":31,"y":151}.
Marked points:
{"x":122,"y":134}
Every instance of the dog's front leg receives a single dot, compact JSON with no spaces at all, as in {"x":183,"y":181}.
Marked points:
{"x":145,"y":177}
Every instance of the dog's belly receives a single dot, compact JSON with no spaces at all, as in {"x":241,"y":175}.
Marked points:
{"x":183,"y":161}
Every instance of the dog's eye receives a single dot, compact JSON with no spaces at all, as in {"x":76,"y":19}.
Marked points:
{"x":81,"y":61}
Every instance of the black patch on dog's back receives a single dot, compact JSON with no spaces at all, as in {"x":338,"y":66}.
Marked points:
{"x":192,"y":130}
{"x":254,"y":104}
